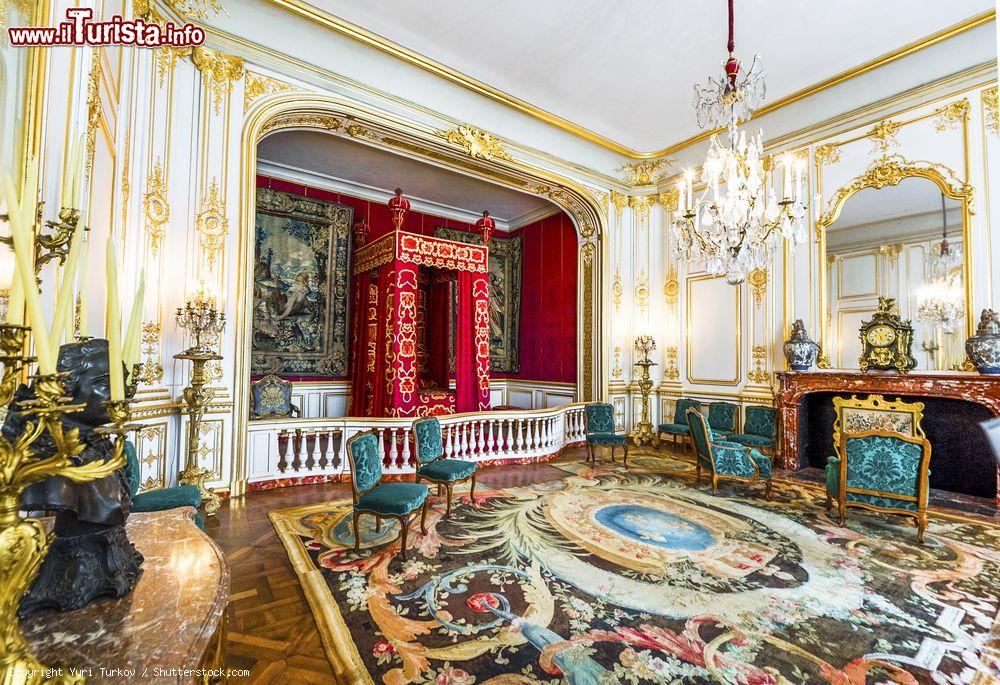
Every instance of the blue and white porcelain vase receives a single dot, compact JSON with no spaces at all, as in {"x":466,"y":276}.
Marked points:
{"x":984,"y":347}
{"x":800,"y":351}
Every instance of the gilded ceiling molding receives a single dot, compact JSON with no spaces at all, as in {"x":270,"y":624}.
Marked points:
{"x":758,"y":281}
{"x":302,"y":120}
{"x":951,"y":115}
{"x":219,"y":71}
{"x":258,"y":85}
{"x":166,"y":60}
{"x":212,"y":224}
{"x":643,"y":173}
{"x":827,"y":154}
{"x":640,"y":204}
{"x":156,"y":207}
{"x":620,"y":201}
{"x":883,"y":135}
{"x":992,"y":109}
{"x":476,"y":143}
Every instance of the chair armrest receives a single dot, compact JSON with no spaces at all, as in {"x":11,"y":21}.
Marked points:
{"x":833,"y":460}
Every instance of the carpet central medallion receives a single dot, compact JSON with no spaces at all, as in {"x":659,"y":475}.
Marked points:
{"x":611,"y":577}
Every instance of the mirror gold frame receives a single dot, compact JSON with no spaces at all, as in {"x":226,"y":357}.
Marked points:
{"x":890,"y":171}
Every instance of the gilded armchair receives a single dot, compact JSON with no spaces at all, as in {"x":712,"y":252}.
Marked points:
{"x":271,"y":398}
{"x":600,"y":431}
{"x":679,"y":428}
{"x":382,"y":500}
{"x":883,"y":471}
{"x":726,"y":460}
{"x":446,"y":473}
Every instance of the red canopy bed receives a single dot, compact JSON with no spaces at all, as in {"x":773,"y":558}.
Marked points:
{"x":403,"y":285}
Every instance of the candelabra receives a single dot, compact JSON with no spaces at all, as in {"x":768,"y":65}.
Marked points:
{"x":54,"y":244}
{"x":203,"y":322}
{"x":199,"y":318}
{"x":643,"y":433}
{"x":25,"y":541}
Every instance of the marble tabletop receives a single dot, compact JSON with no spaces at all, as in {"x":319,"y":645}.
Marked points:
{"x":160,"y":630}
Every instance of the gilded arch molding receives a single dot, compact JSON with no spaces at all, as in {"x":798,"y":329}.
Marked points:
{"x":284,"y":111}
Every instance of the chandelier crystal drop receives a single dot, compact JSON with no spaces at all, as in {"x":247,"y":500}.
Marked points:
{"x":941,"y":299}
{"x":735,"y":224}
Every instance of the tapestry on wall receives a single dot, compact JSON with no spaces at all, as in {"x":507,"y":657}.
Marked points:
{"x":300,"y":316}
{"x":506,"y":257}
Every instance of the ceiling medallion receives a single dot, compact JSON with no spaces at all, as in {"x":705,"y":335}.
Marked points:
{"x":736,"y":230}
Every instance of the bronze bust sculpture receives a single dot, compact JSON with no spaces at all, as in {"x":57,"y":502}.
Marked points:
{"x":91,"y":556}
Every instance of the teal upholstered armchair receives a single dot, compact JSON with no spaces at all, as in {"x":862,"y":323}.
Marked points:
{"x":601,"y":431}
{"x":271,"y":398}
{"x":431,"y":467}
{"x":726,"y":460}
{"x":679,"y":427}
{"x":722,"y":418}
{"x":759,"y":430}
{"x":881,"y":471}
{"x":162,"y":499}
{"x":382,"y":500}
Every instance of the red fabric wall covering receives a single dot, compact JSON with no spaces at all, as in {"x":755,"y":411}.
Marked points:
{"x":548,"y":286}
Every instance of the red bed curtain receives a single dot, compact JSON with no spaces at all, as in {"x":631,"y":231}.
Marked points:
{"x":437,"y":326}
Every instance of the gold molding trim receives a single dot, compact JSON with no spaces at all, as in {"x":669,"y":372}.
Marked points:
{"x":883,"y":135}
{"x":758,"y":281}
{"x":476,"y":143}
{"x":258,"y":85}
{"x":166,"y":60}
{"x":156,"y":207}
{"x":641,"y":204}
{"x":643,"y":173}
{"x":672,"y":287}
{"x":951,"y":115}
{"x":992,"y":108}
{"x":759,"y":373}
{"x":619,"y":201}
{"x":737,"y":291}
{"x":641,"y":293}
{"x":617,"y":291}
{"x":219,"y":72}
{"x":212,"y":225}
{"x":373,"y":40}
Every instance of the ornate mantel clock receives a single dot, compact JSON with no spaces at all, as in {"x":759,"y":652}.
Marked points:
{"x":886,"y":340}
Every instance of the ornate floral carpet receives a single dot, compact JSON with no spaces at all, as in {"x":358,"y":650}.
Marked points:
{"x":613,"y":576}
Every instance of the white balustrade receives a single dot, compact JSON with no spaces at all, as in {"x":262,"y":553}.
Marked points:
{"x":296,"y":448}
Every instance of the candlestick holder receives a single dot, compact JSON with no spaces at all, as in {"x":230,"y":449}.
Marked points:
{"x":24,"y":542}
{"x":197,"y":398}
{"x":643,"y":433}
{"x":203,"y":322}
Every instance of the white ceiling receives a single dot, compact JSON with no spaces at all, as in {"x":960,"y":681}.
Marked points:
{"x":625,"y":69}
{"x":358,"y":169}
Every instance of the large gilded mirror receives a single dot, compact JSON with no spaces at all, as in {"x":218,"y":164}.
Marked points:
{"x":900,"y":230}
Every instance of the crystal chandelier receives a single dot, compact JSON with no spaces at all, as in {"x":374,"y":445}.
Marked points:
{"x":736,"y":229}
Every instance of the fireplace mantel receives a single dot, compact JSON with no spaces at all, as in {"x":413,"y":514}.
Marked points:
{"x":796,"y":385}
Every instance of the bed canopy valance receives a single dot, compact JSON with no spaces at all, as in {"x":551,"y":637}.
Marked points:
{"x":403,"y":286}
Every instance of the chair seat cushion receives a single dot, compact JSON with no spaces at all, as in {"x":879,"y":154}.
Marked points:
{"x":447,"y":470}
{"x":167,"y":498}
{"x":752,"y":440}
{"x":393,"y":499}
{"x":674,"y":428}
{"x":607,"y":439}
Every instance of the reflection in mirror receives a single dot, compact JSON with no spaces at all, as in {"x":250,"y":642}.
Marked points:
{"x":904,"y":241}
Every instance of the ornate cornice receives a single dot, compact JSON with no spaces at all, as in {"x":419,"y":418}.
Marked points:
{"x":219,"y":72}
{"x":643,"y":173}
{"x":992,"y":110}
{"x":827,"y":154}
{"x":951,"y":115}
{"x":476,"y":142}
{"x":258,"y":85}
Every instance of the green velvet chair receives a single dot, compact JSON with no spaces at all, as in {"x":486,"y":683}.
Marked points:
{"x":726,"y":460}
{"x":600,"y":431}
{"x":162,"y":499}
{"x":678,"y":428}
{"x":882,"y":471}
{"x":759,"y":430}
{"x":722,"y":418}
{"x":381,"y":500}
{"x":445,"y":473}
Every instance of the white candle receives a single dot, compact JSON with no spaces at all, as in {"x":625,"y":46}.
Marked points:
{"x":82,"y":287}
{"x":113,"y":326}
{"x":681,"y":197}
{"x":61,"y":327}
{"x":786,"y":188}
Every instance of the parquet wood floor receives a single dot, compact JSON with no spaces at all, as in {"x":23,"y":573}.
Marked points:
{"x":271,"y":628}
